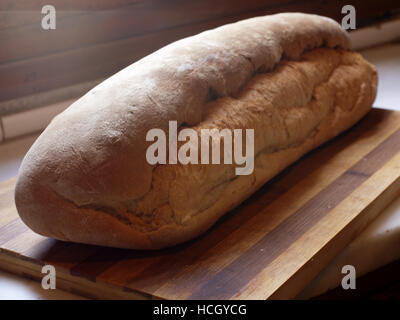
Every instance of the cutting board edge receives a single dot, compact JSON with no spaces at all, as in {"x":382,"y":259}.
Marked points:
{"x":30,"y":269}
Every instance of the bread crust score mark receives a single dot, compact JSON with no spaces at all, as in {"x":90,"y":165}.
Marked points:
{"x":295,"y":102}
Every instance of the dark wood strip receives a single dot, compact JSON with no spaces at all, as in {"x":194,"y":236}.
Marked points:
{"x":11,"y":230}
{"x":243,"y":269}
{"x":97,"y":263}
{"x":60,"y":253}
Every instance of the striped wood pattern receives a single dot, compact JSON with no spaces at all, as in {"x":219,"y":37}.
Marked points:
{"x":269,"y":247}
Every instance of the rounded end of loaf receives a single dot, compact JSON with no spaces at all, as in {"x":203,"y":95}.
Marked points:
{"x":47,"y":214}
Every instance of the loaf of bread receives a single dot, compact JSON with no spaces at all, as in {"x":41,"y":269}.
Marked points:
{"x":291,"y":77}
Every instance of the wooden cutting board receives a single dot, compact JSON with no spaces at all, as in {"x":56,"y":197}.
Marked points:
{"x":269,"y":247}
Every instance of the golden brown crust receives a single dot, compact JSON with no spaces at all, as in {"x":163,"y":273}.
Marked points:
{"x":86,"y":178}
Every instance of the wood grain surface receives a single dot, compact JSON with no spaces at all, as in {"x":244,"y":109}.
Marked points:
{"x":269,"y":247}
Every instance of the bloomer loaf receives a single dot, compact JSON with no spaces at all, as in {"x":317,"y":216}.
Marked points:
{"x":290,"y":77}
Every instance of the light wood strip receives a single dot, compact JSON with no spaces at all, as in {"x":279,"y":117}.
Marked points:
{"x":7,"y":206}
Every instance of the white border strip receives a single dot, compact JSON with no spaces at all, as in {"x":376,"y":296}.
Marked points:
{"x":41,"y":99}
{"x":31,"y":121}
